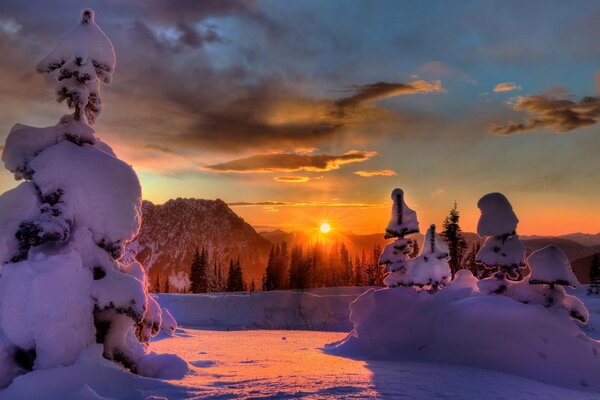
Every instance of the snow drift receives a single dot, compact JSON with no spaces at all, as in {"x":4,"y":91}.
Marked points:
{"x":65,"y":285}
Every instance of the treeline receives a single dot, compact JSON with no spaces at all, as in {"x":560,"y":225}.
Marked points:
{"x":319,"y":266}
{"x":206,"y":275}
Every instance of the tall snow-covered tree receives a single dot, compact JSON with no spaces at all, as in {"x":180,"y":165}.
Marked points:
{"x":452,"y":234}
{"x":65,"y":227}
{"x":394,"y":256}
{"x":502,"y":253}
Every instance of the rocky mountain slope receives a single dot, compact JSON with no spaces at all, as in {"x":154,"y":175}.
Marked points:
{"x":172,"y":231}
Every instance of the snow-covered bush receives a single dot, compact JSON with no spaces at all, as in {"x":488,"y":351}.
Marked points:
{"x":65,"y":284}
{"x":502,"y":254}
{"x":531,"y":328}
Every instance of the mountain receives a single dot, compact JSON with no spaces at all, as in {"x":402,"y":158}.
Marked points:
{"x":572,"y":249}
{"x":171,"y":232}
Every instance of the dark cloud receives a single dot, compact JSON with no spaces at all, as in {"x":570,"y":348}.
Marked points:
{"x":290,"y":162}
{"x":273,"y":115}
{"x":381,"y":90}
{"x":559,"y":115}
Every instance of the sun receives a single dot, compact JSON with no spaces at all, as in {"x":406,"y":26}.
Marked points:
{"x":325,"y":227}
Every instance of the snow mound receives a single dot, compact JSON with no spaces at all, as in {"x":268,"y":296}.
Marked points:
{"x":459,"y":325}
{"x":497,"y":216}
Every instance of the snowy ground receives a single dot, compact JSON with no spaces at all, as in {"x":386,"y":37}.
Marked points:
{"x":289,"y":364}
{"x":273,"y":364}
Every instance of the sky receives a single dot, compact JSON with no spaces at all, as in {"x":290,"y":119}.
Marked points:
{"x":299,"y":112}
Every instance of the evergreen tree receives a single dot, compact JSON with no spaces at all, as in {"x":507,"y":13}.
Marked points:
{"x":595,"y":275}
{"x":157,"y":285}
{"x":283,"y":266}
{"x":358,"y":281}
{"x":452,"y":234}
{"x":346,"y":266}
{"x":470,"y":262}
{"x":231,"y":277}
{"x":199,"y":275}
{"x":270,"y":279}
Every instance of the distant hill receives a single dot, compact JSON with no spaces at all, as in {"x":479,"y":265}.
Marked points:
{"x":172,"y":231}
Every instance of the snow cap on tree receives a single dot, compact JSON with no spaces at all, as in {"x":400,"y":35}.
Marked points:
{"x":82,"y":56}
{"x":497,"y":216}
{"x":403,"y":220}
{"x":551,"y":266}
{"x":433,"y":245}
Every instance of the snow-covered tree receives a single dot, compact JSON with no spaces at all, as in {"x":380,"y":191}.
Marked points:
{"x":430,"y":268}
{"x":502,"y":253}
{"x":551,"y":269}
{"x":394,"y":256}
{"x":64,"y":230}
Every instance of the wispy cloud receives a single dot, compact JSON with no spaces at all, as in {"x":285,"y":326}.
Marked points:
{"x":438,"y":192}
{"x":290,"y":162}
{"x":292,"y":179}
{"x":506,"y":87}
{"x":379,"y":172}
{"x":559,"y":115}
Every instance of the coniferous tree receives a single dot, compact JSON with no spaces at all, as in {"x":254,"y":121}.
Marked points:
{"x":199,"y":273}
{"x":595,"y":275}
{"x":157,"y":285}
{"x":346,"y":266}
{"x":270,"y":279}
{"x":239,"y":277}
{"x":357,"y":272}
{"x":470,"y":261}
{"x":452,"y":234}
{"x":231,"y":277}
